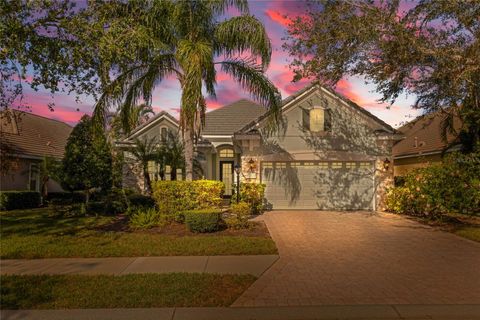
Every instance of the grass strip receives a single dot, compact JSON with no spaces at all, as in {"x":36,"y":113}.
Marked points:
{"x":126,"y":291}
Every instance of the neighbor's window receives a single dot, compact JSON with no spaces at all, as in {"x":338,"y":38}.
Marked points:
{"x":163,"y":134}
{"x":34,"y":181}
{"x":226,"y":153}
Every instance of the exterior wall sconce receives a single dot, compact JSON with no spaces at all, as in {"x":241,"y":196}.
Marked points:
{"x":237,"y":169}
{"x":251,"y":165}
{"x":386,"y":164}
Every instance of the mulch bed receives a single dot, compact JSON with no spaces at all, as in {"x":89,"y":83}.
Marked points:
{"x":120,"y":224}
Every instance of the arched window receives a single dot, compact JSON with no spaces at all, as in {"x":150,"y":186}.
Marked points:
{"x":226,"y":153}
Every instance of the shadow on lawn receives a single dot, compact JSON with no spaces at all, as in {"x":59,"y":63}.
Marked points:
{"x":44,"y":221}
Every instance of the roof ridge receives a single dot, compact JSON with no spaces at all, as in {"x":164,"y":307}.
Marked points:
{"x":43,"y":117}
{"x":233,"y":104}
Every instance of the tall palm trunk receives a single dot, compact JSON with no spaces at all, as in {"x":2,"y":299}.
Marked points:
{"x":188,"y":140}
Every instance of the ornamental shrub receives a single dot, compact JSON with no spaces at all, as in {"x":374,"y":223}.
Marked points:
{"x":206,"y":220}
{"x":146,"y":218}
{"x":11,"y":200}
{"x":240,"y":212}
{"x":208,"y":193}
{"x":453,"y":186}
{"x":140,"y":200}
{"x":177,"y":196}
{"x":253,"y":194}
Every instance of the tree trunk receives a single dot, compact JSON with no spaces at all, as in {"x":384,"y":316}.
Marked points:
{"x":148,"y":183}
{"x":173,"y":173}
{"x":188,"y":154}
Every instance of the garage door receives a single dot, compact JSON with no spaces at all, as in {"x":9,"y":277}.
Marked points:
{"x":319,"y":185}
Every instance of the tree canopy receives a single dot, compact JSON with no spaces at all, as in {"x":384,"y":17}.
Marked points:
{"x":431,"y":50}
{"x":87,"y":162}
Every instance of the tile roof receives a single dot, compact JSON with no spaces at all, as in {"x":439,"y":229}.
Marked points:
{"x":231,"y":118}
{"x":423,"y":135}
{"x":32,"y":135}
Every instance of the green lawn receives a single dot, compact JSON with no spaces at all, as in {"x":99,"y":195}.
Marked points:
{"x":126,"y":291}
{"x":472,"y":233}
{"x":40,"y":233}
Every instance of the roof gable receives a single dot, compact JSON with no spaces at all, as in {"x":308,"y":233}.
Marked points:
{"x":159,"y":117}
{"x":310,"y":89}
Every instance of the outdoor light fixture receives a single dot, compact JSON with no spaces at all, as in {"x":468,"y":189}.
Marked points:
{"x":386,"y":164}
{"x":251,"y":165}
{"x":237,"y":171}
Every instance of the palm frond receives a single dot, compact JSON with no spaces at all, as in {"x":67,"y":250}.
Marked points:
{"x":242,"y":34}
{"x":251,"y":77}
{"x":137,"y":82}
{"x":220,"y":6}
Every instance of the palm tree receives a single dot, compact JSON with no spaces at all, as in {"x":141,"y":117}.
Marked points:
{"x":145,"y":150}
{"x":190,"y":43}
{"x":122,"y":124}
{"x":174,"y":154}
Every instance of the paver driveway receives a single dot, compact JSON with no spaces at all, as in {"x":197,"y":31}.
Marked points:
{"x":364,"y":258}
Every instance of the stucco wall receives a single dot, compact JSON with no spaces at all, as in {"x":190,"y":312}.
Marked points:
{"x":352,"y":138}
{"x":403,"y":166}
{"x":18,"y":179}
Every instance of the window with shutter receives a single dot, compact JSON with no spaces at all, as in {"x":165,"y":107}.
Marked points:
{"x":163,"y":134}
{"x":317,"y":120}
{"x":306,"y":119}
{"x":328,"y":120}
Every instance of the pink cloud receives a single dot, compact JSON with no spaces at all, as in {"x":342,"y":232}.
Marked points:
{"x":278,"y":18}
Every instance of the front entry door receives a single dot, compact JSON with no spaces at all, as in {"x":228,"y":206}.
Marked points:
{"x":226,"y":175}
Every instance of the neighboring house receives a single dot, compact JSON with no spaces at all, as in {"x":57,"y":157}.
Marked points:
{"x":330,"y":153}
{"x":155,"y":128}
{"x":28,"y":139}
{"x":423,"y":144}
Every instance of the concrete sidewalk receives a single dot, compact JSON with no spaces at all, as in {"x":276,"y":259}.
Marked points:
{"x":255,"y":265}
{"x":260,"y":313}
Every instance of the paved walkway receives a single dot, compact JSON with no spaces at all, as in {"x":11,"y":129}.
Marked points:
{"x":391,"y":312}
{"x":332,"y":258}
{"x":255,"y":265}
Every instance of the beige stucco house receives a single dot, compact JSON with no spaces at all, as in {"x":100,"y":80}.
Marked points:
{"x":26,"y":139}
{"x":329,"y":154}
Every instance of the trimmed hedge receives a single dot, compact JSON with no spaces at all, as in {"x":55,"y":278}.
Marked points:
{"x":253,"y":194}
{"x":451,"y":187}
{"x":206,"y":220}
{"x":11,"y":200}
{"x":176,"y":196}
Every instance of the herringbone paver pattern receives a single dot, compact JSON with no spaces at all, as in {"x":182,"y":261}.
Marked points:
{"x":363,"y":258}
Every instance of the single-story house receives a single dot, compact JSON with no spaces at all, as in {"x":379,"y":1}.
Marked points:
{"x":423,"y":144}
{"x":329,"y":154}
{"x":26,"y":140}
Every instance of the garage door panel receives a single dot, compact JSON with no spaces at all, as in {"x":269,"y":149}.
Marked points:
{"x":334,"y":186}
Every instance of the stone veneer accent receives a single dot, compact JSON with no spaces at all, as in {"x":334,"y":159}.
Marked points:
{"x":132,"y":175}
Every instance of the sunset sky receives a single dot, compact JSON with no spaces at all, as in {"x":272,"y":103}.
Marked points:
{"x":167,"y":95}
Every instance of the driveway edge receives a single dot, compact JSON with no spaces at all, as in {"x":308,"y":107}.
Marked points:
{"x":444,"y":312}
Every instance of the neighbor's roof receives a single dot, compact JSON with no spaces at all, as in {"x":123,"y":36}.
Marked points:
{"x":423,"y":135}
{"x":231,"y":118}
{"x":32,"y":135}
